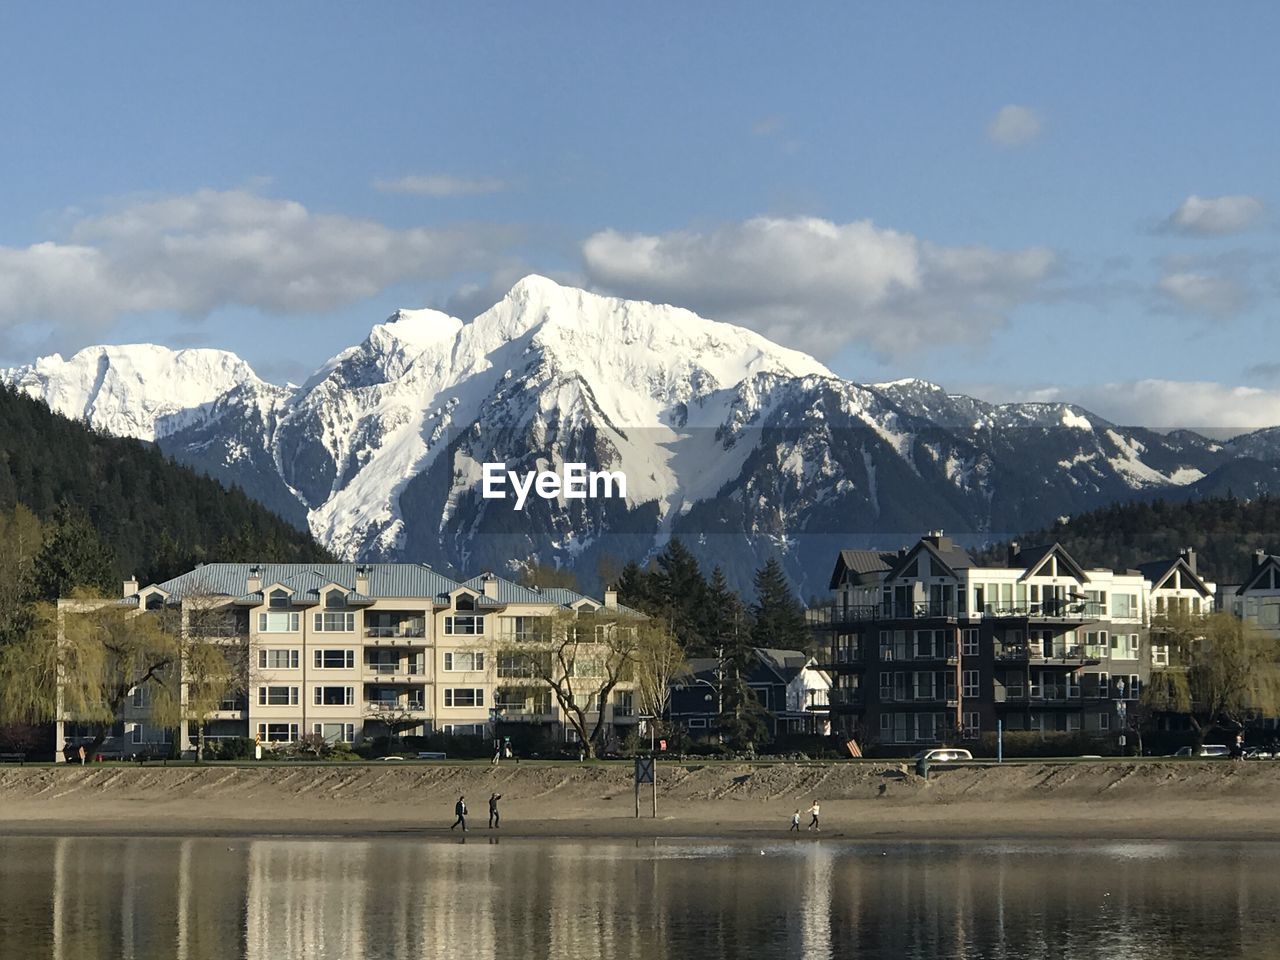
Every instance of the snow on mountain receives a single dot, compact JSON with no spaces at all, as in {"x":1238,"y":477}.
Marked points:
{"x":738,"y":445}
{"x":125,"y":390}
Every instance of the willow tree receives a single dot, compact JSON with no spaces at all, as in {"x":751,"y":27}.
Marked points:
{"x":1221,"y":671}
{"x":82,"y":659}
{"x":581,"y":657}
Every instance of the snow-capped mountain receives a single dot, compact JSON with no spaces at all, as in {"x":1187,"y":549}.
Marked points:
{"x":737,"y":445}
{"x":125,"y":390}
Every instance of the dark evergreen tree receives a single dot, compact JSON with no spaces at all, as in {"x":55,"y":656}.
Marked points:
{"x":74,"y":558}
{"x":777,"y":618}
{"x":680,"y":595}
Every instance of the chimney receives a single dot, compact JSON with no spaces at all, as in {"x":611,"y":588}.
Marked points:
{"x":362,"y":579}
{"x":130,"y":587}
{"x":491,"y":586}
{"x":610,"y":598}
{"x":1014,"y":548}
{"x":1189,"y":555}
{"x":254,"y":582}
{"x":1259,"y":558}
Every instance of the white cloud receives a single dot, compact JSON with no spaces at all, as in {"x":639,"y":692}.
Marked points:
{"x":1205,"y":293}
{"x":1215,"y":216}
{"x":1213,"y":408}
{"x":441,"y":185}
{"x":817,"y":285}
{"x":193,"y":253}
{"x":1014,"y":126}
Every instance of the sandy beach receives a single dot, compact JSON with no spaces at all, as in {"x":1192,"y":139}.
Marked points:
{"x":1045,"y":800}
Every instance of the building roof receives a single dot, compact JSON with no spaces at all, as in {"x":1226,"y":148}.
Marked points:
{"x":862,"y":563}
{"x":306,"y":579}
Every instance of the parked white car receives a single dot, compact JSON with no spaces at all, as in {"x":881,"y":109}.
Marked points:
{"x":943,"y":755}
{"x":1207,"y":750}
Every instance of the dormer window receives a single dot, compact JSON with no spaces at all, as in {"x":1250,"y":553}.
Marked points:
{"x":154,"y":601}
{"x":464,"y":601}
{"x":335,"y":600}
{"x":279,"y":600}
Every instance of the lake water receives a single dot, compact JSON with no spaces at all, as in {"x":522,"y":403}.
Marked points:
{"x":275,"y":899}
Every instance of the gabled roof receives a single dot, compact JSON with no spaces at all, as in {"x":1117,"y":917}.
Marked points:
{"x":1031,"y":559}
{"x":508,"y":592}
{"x":1156,"y":572}
{"x":1268,"y":562}
{"x":866,"y":566}
{"x":950,"y":555}
{"x":787,"y":664}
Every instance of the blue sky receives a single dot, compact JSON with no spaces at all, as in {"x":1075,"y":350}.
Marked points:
{"x":1012,"y":199}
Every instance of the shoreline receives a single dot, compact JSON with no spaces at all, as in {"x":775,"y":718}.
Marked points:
{"x":872,"y":802}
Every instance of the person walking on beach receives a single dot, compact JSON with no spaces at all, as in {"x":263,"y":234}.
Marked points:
{"x":795,"y":821}
{"x":813,"y":812}
{"x":494,"y":817}
{"x":460,"y":808}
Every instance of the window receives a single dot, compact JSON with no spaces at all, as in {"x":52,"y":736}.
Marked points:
{"x":335,"y":622}
{"x":972,"y":725}
{"x":586,"y":667}
{"x":279,"y":600}
{"x":969,"y":639}
{"x":697,"y":723}
{"x":141,"y":698}
{"x":970,"y":679}
{"x":1124,"y":646}
{"x":1104,"y":685}
{"x":463,"y":661}
{"x":278,"y":659}
{"x":278,"y":623}
{"x":463,"y":697}
{"x":463,"y":729}
{"x":517,"y":665}
{"x":1073,"y":723}
{"x":335,"y":600}
{"x":335,"y":732}
{"x":278,"y":696}
{"x":1104,"y":721}
{"x":463,"y":626}
{"x":1159,"y":654}
{"x":1124,"y":605}
{"x":277,"y":732}
{"x":521,"y":628}
{"x":335,"y":659}
{"x":335,"y":696}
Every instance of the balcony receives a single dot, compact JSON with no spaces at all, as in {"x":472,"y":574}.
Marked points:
{"x":1069,"y":658}
{"x":376,"y":707}
{"x":1066,"y":611}
{"x":1039,"y":696}
{"x":835,"y":615}
{"x":396,"y":672}
{"x":845,"y":700}
{"x":402,"y":632}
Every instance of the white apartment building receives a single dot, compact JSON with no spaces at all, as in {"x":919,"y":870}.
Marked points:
{"x":351,"y":651}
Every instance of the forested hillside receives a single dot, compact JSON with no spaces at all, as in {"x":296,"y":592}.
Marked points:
{"x":1224,"y":532}
{"x":153,"y":516}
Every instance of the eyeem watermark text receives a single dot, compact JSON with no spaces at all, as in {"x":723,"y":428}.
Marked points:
{"x":573,"y":482}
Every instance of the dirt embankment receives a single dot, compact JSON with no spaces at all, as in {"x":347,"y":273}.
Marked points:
{"x":1192,"y":799}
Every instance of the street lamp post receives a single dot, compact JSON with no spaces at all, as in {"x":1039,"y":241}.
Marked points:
{"x":1121,"y":711}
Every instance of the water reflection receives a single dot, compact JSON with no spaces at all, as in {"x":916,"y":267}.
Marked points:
{"x":90,"y":899}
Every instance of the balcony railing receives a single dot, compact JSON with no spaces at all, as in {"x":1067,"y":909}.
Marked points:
{"x":846,"y":698}
{"x":401,"y":632}
{"x":1074,"y":655}
{"x":396,"y":669}
{"x":395,"y":706}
